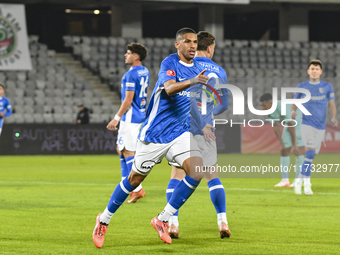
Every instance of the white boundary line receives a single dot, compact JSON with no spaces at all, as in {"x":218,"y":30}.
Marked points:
{"x":113,"y":184}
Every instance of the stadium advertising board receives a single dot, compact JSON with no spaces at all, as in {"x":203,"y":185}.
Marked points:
{"x":14,"y":52}
{"x":58,"y":139}
{"x":68,"y":139}
{"x":263,"y":140}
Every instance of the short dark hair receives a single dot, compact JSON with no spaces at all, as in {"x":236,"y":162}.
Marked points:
{"x":2,"y":86}
{"x":205,"y":39}
{"x":139,"y":49}
{"x":315,"y":62}
{"x":183,"y":31}
{"x":266,"y":97}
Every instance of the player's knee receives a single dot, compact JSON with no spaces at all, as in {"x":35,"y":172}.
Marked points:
{"x":194,"y":167}
{"x":177,"y":173}
{"x":127,"y":153}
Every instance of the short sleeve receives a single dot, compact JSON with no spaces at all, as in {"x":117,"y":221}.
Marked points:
{"x":130,"y":81}
{"x":167,"y":71}
{"x":330,"y":94}
{"x":8,"y":104}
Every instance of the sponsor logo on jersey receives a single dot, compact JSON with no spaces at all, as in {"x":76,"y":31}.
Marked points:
{"x":143,"y":103}
{"x":321,"y":90}
{"x":170,"y":73}
{"x":189,"y":94}
{"x":130,"y":84}
{"x":143,"y":72}
{"x":318,"y":97}
{"x":210,"y":67}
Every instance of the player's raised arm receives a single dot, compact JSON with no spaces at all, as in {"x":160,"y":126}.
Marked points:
{"x":172,"y":87}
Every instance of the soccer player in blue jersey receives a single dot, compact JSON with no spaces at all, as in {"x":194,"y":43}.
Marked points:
{"x":290,"y":139}
{"x":5,"y":107}
{"x":165,"y":133}
{"x":313,"y":126}
{"x":200,"y":127}
{"x":131,"y":114}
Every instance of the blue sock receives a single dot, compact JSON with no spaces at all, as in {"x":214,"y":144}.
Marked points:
{"x":183,"y":191}
{"x":129,"y":162}
{"x":217,"y":195}
{"x":125,"y":172}
{"x":171,"y":187}
{"x":306,"y":166}
{"x":118,"y":197}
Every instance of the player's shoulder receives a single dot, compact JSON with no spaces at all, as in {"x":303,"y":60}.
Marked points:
{"x":303,"y":84}
{"x":5,"y":100}
{"x":173,"y":58}
{"x":211,"y":66}
{"x":141,"y":70}
{"x":326,"y":83}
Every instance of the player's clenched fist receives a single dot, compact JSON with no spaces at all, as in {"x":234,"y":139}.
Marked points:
{"x":200,"y":78}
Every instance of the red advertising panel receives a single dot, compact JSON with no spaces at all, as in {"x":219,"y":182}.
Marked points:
{"x":263,"y":140}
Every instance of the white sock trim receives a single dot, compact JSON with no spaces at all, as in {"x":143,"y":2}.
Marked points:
{"x":169,"y":190}
{"x":309,"y":160}
{"x":129,"y":161}
{"x":139,"y":187}
{"x":123,"y":188}
{"x":216,"y":187}
{"x":190,"y":186}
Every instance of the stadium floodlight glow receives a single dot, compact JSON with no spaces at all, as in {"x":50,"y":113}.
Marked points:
{"x":96,"y":12}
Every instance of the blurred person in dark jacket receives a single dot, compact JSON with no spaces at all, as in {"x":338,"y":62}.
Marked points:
{"x":83,"y":115}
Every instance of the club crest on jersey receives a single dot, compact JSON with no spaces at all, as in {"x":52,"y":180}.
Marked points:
{"x":143,"y":103}
{"x":170,"y":73}
{"x":321,"y":90}
{"x":199,"y":105}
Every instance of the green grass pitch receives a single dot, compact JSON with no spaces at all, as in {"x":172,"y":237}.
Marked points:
{"x":48,"y":205}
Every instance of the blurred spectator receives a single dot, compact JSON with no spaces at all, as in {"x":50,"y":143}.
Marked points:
{"x":83,"y":115}
{"x":5,"y":106}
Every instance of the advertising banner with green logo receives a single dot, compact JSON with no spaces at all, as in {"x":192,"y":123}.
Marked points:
{"x":14,"y":52}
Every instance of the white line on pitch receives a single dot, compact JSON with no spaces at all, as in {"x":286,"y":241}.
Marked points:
{"x":113,"y":184}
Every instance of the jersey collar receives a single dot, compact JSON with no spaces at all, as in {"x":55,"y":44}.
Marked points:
{"x":186,"y":64}
{"x":315,"y":83}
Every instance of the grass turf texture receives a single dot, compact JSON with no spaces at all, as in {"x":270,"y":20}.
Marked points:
{"x":48,"y":205}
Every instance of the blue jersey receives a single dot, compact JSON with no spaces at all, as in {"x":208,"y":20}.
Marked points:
{"x":317,"y":105}
{"x":216,"y":74}
{"x":167,"y":116}
{"x":136,"y":79}
{"x":5,"y":107}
